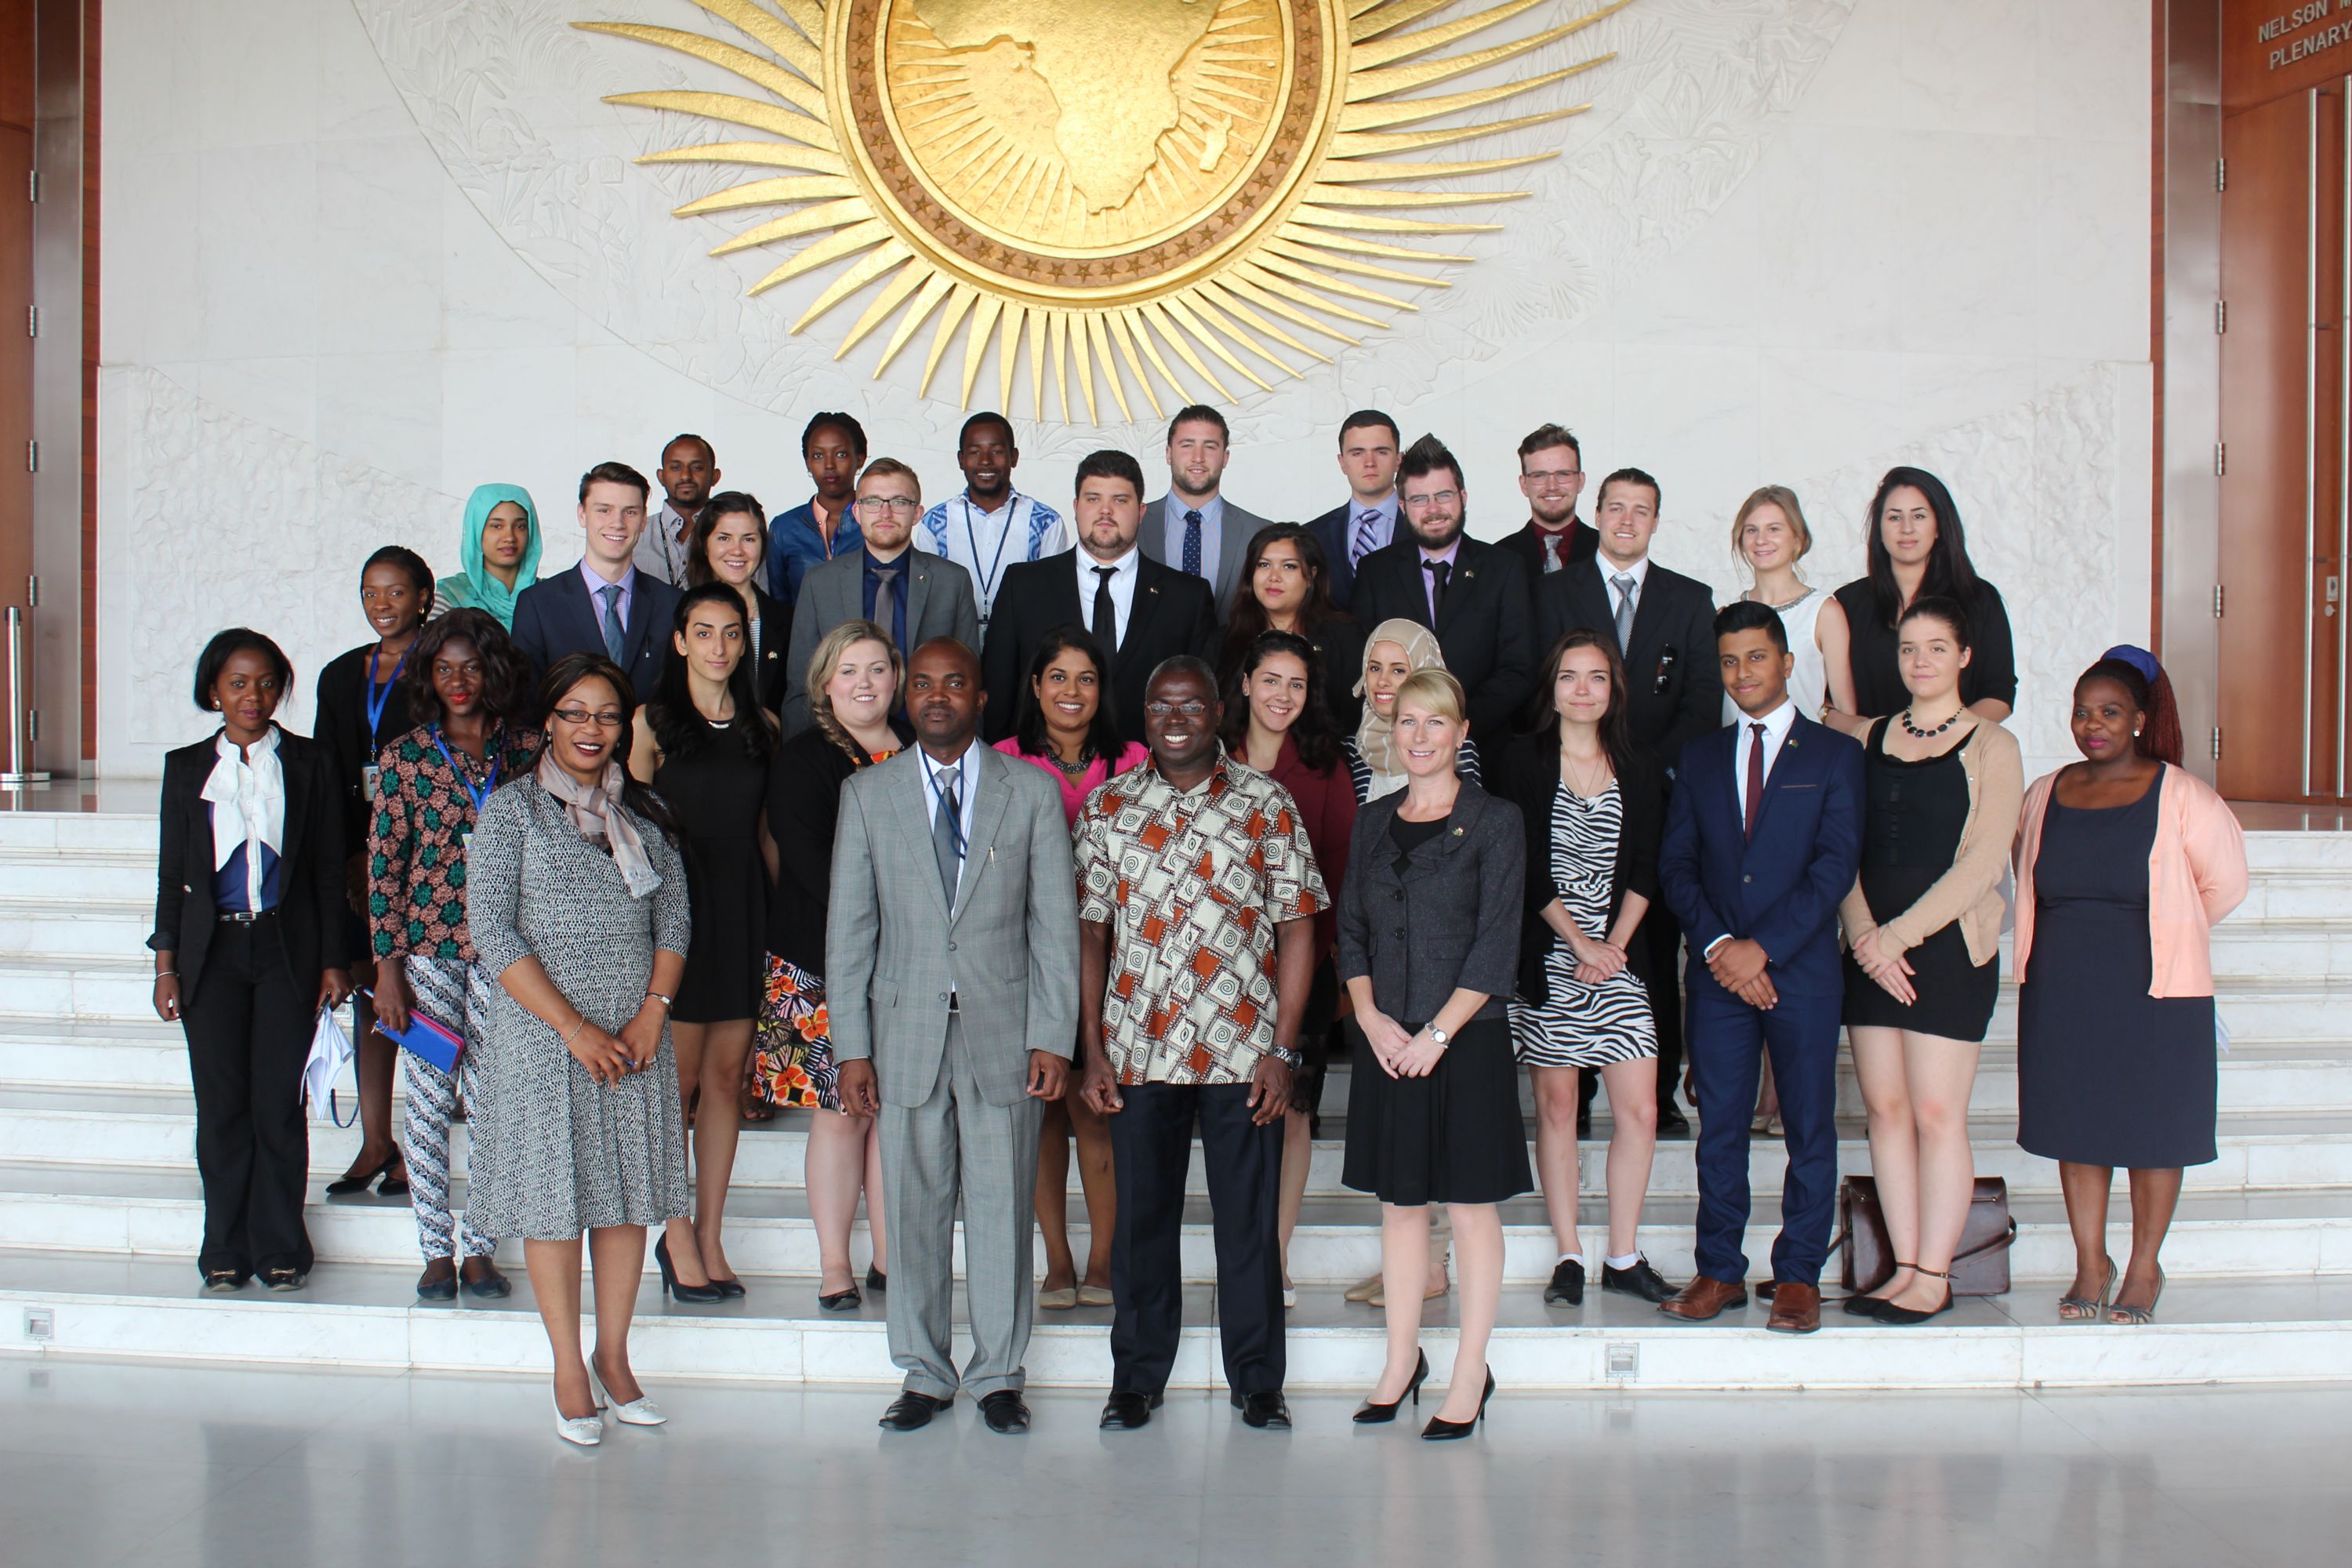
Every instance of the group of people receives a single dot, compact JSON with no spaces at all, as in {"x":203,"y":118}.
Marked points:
{"x":982,"y":833}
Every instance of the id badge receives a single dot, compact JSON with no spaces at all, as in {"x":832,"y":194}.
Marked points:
{"x":370,"y":779}
{"x":465,"y":840}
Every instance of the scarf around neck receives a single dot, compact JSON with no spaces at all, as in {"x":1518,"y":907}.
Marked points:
{"x":1375,"y":736}
{"x":596,"y":811}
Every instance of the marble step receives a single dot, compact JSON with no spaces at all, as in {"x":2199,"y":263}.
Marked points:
{"x":157,"y":1131}
{"x":102,"y":1209}
{"x":2244,"y":1331}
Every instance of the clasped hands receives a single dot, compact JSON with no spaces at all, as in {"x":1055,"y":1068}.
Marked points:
{"x":610,"y":1058}
{"x":1738,"y":966}
{"x":1595,"y":961}
{"x":1400,"y":1055}
{"x":1883,"y":961}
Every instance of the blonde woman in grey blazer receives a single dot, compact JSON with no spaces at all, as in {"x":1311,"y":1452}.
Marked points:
{"x":951,"y":942}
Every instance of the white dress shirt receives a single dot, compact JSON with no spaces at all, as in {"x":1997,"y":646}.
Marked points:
{"x":247,"y":796}
{"x":1124,"y":573}
{"x":967,"y":772}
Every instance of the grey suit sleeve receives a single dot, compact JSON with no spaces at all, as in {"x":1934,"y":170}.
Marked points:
{"x":805,"y":636}
{"x":1053,"y":926}
{"x":853,"y":931}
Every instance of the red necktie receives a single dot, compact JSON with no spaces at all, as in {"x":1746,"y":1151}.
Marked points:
{"x":1755,"y":777}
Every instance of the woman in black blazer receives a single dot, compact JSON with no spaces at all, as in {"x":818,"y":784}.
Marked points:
{"x":1429,"y":939}
{"x":729,"y":545}
{"x":249,"y":949}
{"x":1593,"y":808}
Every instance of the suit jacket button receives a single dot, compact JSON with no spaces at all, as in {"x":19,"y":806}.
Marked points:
{"x":951,"y":947}
{"x":1399,"y":930}
{"x":943,"y":996}
{"x":1746,"y":879}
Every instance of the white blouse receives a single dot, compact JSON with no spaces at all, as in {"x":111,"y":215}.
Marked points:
{"x":248,"y":806}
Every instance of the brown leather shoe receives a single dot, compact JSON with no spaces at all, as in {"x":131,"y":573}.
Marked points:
{"x":1796,"y":1308}
{"x":1703,"y":1299}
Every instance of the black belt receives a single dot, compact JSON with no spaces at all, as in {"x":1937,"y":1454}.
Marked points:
{"x":242,"y":916}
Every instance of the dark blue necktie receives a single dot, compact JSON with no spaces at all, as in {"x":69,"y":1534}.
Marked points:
{"x":1192,"y":542}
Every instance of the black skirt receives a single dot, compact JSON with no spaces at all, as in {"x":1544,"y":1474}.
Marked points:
{"x":1454,"y":1137}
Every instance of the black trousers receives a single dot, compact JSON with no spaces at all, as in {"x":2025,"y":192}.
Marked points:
{"x":249,"y":1030}
{"x":1152,"y":1152}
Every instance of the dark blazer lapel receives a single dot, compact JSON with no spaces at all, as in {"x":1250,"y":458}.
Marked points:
{"x":294,"y":765}
{"x":1791,"y":765}
{"x":1469,"y":573}
{"x":1063,"y":584}
{"x":1469,"y":804}
{"x":1589,"y":589}
{"x":578,"y":604}
{"x":1154,"y":532}
{"x":1649,"y":610}
{"x":1149,"y":576}
{"x":639,"y":633}
{"x":987,"y":818}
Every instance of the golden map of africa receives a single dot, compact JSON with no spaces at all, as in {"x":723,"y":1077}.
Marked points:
{"x":1110,"y":71}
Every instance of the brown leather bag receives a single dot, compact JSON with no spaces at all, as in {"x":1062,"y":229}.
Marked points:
{"x":1980,"y":1266}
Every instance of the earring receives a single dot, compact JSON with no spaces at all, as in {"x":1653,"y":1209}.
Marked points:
{"x":2134,"y":734}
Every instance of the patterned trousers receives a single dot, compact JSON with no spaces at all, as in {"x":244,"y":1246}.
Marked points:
{"x":458,"y":996}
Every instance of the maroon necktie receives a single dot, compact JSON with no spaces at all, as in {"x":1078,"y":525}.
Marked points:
{"x":1755,"y":777}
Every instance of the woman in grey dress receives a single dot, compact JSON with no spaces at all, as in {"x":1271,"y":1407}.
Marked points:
{"x":578,"y":905}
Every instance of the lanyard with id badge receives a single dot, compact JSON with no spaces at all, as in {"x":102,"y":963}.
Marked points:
{"x":479,"y":797}
{"x":378,"y":699}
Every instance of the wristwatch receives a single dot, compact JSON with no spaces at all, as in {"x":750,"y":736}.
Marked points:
{"x":1292,"y":1060}
{"x":1439,"y":1035}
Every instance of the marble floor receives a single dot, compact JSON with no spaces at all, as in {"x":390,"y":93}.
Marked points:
{"x":230,"y":1468}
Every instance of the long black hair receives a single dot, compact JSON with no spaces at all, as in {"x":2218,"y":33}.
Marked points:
{"x":1102,"y":735}
{"x":1950,"y":574}
{"x":568,"y":672}
{"x":1543,"y":711}
{"x":1313,"y":733}
{"x":1247,"y":621}
{"x":679,"y":728}
{"x":505,"y":673}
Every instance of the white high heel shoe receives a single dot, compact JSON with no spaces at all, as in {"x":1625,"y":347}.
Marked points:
{"x":638,"y":1412}
{"x":587,"y":1431}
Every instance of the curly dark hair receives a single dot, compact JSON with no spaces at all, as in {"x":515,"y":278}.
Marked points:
{"x":1313,"y":733}
{"x":505,"y":673}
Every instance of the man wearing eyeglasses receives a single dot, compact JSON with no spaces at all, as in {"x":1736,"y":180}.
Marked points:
{"x":1552,"y":476}
{"x":1473,"y":595}
{"x":913,"y":593}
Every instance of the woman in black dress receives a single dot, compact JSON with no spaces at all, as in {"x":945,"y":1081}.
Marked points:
{"x":2125,"y":863}
{"x":1919,"y":550}
{"x":852,"y":684}
{"x":364,"y":703}
{"x":1923,"y":924}
{"x":704,"y":747}
{"x":729,"y":543}
{"x":1429,"y":946}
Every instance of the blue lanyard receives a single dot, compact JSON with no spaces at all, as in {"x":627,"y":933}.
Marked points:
{"x":379,"y":697}
{"x":480,"y":797}
{"x":939,"y":800}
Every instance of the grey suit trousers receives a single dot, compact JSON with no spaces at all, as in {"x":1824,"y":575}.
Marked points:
{"x":956,"y":1139}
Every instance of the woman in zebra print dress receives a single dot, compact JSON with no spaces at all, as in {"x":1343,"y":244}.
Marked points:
{"x":1594,"y":810}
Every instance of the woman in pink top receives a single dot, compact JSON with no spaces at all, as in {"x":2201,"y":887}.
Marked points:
{"x":1067,"y":727}
{"x":2124,"y":862}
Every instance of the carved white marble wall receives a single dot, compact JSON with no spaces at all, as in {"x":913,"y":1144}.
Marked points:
{"x":362,"y":255}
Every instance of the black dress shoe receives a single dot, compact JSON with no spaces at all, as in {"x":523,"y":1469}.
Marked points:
{"x":675,"y":1287}
{"x":1126,"y":1410}
{"x":224,"y":1281}
{"x":847,"y":1301}
{"x":1671,"y":1119}
{"x":488,"y":1286}
{"x":1003,"y":1411}
{"x":1638,"y":1279}
{"x":911,"y":1411}
{"x":1264,"y":1410}
{"x":442,"y":1289}
{"x":360,"y":1181}
{"x":730,"y":1289}
{"x":284,"y":1280}
{"x":876,"y":1280}
{"x":1566,"y":1286}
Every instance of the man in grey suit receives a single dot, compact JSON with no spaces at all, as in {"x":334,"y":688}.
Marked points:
{"x":1193,"y":528}
{"x":912,"y":593}
{"x":953,"y":990}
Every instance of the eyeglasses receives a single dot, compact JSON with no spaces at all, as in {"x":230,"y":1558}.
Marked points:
{"x":878,"y":506}
{"x":606,"y":720}
{"x":1171,"y":710}
{"x":1434,"y":497}
{"x":1550,"y":483}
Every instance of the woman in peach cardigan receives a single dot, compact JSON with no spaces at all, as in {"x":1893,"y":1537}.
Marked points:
{"x":2124,"y":862}
{"x":1922,"y":923}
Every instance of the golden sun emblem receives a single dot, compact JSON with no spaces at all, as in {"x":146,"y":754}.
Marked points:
{"x":1102,"y":184}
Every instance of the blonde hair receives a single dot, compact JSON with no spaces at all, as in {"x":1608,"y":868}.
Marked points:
{"x":1435,"y":689}
{"x":1785,"y":499}
{"x":821,"y":666}
{"x":884,"y":467}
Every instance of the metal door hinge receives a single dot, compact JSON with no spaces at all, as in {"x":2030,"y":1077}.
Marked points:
{"x":32,"y":456}
{"x":2220,"y":316}
{"x":32,"y":185}
{"x":2220,"y":458}
{"x":2217,"y":742}
{"x":2221,"y":174}
{"x":2217,"y":600}
{"x":32,"y":320}
{"x":33,"y":591}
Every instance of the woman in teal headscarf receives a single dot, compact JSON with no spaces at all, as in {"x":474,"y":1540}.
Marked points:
{"x":500,"y":550}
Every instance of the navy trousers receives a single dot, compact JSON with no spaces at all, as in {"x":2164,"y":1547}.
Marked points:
{"x":1726,"y":1042}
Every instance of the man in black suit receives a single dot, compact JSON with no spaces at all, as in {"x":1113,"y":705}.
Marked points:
{"x":1473,"y":595}
{"x":1368,"y":447}
{"x":1552,"y":476}
{"x":1139,"y":611}
{"x":606,"y":605}
{"x":1665,"y":626}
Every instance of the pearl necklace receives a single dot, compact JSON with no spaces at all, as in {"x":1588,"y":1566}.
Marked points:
{"x":1916,"y":733}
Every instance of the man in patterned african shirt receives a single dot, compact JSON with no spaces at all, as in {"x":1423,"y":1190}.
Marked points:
{"x":1197,"y":897}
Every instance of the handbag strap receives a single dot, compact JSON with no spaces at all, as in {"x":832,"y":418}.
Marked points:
{"x":1981,"y":1247}
{"x":338,"y":1121}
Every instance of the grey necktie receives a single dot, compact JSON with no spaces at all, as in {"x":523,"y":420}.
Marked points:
{"x":947,"y":833}
{"x":1623,"y":582}
{"x":613,"y":639}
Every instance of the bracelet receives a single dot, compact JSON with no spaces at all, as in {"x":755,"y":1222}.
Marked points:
{"x":167,"y":975}
{"x":669,"y":1005}
{"x":575,"y":1031}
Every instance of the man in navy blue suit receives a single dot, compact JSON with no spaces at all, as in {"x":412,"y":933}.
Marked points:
{"x":1763,"y":832}
{"x":604,"y":605}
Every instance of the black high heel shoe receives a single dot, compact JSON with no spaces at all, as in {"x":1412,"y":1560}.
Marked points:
{"x":344,"y":1186}
{"x":676,"y":1288}
{"x":1440,"y":1430}
{"x":1373,"y":1413}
